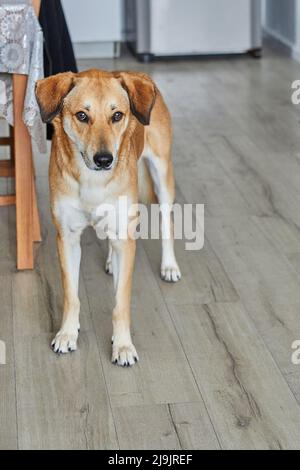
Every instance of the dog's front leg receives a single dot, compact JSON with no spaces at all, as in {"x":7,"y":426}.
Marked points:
{"x":123,"y":351}
{"x":69,"y":250}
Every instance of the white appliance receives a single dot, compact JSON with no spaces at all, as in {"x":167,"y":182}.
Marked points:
{"x":95,"y":27}
{"x":193,"y":27}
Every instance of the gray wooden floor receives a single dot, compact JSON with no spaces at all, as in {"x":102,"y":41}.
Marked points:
{"x":215,"y":350}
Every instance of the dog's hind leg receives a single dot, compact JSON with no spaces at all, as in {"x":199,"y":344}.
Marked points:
{"x":162,"y":174}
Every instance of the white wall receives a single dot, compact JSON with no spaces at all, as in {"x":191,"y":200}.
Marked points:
{"x":94,"y":25}
{"x":281,"y":19}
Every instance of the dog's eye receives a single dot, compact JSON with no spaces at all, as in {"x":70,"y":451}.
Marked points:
{"x":82,"y":117}
{"x":117,"y":116}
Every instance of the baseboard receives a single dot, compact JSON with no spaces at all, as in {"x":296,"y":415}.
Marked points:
{"x":294,"y":52}
{"x":96,"y":50}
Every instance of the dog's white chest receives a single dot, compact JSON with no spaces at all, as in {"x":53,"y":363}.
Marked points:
{"x":91,"y":197}
{"x":93,"y":205}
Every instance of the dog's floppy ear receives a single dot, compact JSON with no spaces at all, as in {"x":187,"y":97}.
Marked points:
{"x":50,"y":93}
{"x":141,"y":92}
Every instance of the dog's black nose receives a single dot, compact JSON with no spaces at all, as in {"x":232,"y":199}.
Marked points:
{"x":103,"y":160}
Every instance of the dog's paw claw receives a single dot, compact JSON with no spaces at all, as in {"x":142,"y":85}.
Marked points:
{"x":170,"y":273}
{"x":64,"y":342}
{"x":125,"y":356}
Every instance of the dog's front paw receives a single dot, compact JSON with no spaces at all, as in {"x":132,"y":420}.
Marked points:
{"x":65,"y":342}
{"x":124,"y":354}
{"x":170,"y":273}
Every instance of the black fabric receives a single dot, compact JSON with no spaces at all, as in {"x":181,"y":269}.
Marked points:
{"x":58,"y":50}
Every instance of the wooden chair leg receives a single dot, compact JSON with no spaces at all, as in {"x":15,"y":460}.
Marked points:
{"x":24,"y":177}
{"x":12,"y":145}
{"x":36,"y":227}
{"x":36,"y":5}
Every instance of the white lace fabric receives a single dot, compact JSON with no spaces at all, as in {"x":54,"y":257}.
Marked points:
{"x":21,"y":52}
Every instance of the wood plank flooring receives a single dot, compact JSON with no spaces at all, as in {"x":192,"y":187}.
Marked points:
{"x":215,"y":369}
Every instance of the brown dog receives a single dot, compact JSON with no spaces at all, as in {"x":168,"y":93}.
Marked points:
{"x":105,"y":146}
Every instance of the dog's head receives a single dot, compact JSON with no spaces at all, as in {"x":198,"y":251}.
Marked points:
{"x":95,"y":108}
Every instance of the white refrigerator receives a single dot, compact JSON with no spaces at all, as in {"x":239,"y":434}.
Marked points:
{"x":193,"y":27}
{"x":95,"y":27}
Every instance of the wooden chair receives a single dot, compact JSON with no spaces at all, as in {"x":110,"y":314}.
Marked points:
{"x":20,"y":166}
